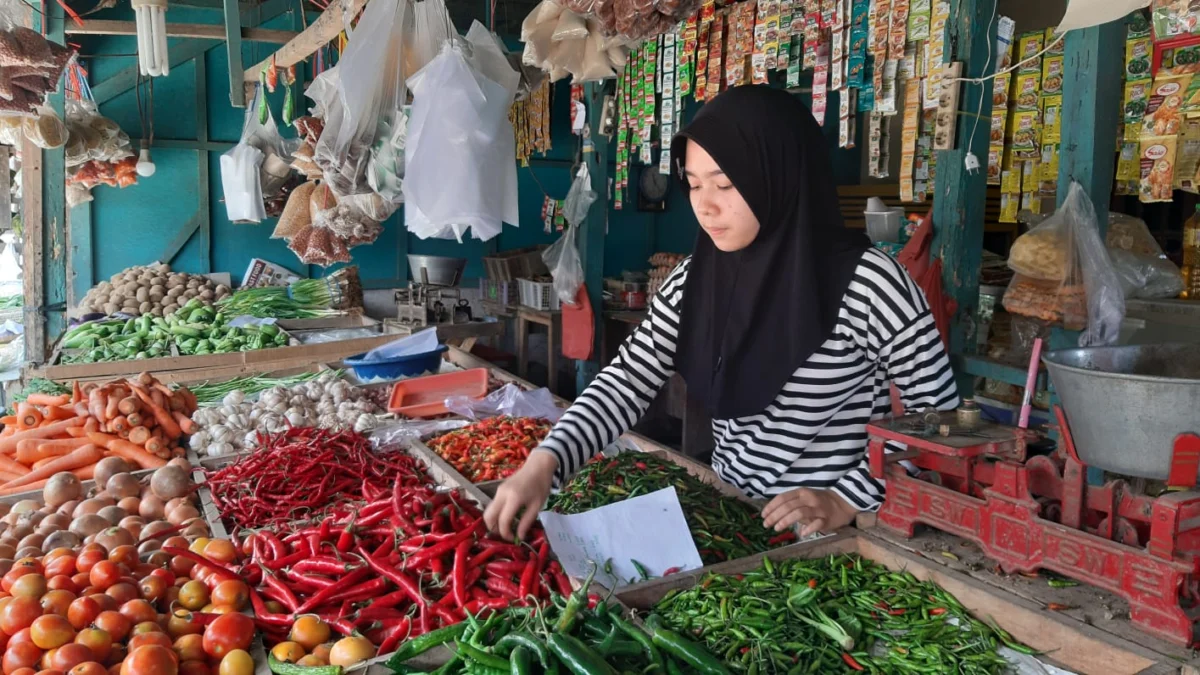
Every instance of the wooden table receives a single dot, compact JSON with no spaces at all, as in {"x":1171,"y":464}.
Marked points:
{"x":553,"y":323}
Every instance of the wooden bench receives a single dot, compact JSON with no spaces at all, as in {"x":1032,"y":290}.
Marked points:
{"x":853,"y":201}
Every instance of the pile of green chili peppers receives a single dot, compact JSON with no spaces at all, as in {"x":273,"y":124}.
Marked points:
{"x":564,"y":637}
{"x":836,"y":614}
{"x":723,"y":528}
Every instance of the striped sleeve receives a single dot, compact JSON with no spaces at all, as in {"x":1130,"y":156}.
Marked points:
{"x":911,"y":353}
{"x":625,"y":388}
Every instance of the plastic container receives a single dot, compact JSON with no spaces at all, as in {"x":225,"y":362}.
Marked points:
{"x":426,"y":396}
{"x":402,"y":366}
{"x":539,"y":295}
{"x":885,"y":226}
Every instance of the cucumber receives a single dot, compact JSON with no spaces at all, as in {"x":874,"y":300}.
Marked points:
{"x":280,"y":668}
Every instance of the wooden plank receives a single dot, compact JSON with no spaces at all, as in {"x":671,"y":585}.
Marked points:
{"x":318,"y":34}
{"x":54,"y":201}
{"x":182,"y":238}
{"x":35,"y":327}
{"x":180,"y":30}
{"x":80,"y":260}
{"x":233,"y":48}
{"x":1091,"y":109}
{"x":960,"y":195}
{"x":204,"y":210}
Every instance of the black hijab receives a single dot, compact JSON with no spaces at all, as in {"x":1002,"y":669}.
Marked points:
{"x":750,"y":318}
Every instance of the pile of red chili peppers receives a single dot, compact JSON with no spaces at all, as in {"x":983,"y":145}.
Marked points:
{"x":302,"y":472}
{"x":398,"y":566}
{"x":492,"y":449}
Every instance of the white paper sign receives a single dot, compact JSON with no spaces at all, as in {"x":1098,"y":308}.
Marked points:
{"x":650,"y":529}
{"x":1086,"y":13}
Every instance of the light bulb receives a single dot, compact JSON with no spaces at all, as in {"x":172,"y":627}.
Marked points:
{"x":145,"y":166}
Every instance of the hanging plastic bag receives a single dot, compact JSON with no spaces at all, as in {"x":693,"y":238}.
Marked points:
{"x":1064,"y":275}
{"x":460,"y":128}
{"x":1144,"y":270}
{"x":563,"y":256}
{"x":242,"y":166}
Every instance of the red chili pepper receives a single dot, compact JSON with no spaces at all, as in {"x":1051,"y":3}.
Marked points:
{"x":937,"y":611}
{"x":285,"y":594}
{"x":503,"y":587}
{"x":394,"y":634}
{"x":855,"y":665}
{"x":744,"y":650}
{"x":459,"y":580}
{"x":325,"y":594}
{"x":897,"y":612}
{"x":441,"y":548}
{"x":474,"y":607}
{"x":672,"y":570}
{"x":527,"y":579}
{"x":812,"y":583}
{"x":782,"y":538}
{"x":562,"y":583}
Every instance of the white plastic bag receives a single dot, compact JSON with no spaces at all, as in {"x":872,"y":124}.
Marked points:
{"x":507,"y":400}
{"x":460,"y":128}
{"x":1144,"y":270}
{"x":240,"y":183}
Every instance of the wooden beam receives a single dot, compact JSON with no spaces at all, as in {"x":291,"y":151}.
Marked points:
{"x":181,"y":30}
{"x":202,"y":167}
{"x":319,"y":33}
{"x":181,"y":238}
{"x":960,"y":196}
{"x":35,"y":321}
{"x":1090,"y":113}
{"x":184,"y":144}
{"x":125,"y":80}
{"x":54,"y":202}
{"x":233,"y":48}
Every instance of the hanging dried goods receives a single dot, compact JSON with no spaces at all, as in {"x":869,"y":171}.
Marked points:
{"x":30,"y":67}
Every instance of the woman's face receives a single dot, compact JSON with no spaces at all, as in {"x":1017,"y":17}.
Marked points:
{"x":719,"y":207}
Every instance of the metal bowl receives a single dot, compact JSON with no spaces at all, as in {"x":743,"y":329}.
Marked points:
{"x":1126,"y":405}
{"x":436,"y":270}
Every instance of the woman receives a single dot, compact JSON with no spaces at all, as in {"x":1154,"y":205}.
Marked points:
{"x":784,"y":323}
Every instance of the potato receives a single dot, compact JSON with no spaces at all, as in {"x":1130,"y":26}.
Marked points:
{"x":158,"y":287}
{"x":142,"y":294}
{"x":145,"y":308}
{"x":109,"y":308}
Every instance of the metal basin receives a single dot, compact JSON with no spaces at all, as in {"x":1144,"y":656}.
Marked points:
{"x":436,"y":270}
{"x":1126,"y":405}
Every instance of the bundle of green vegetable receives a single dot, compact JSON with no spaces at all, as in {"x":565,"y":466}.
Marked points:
{"x":563,"y":636}
{"x":303,"y":299}
{"x":723,"y":528}
{"x":37,"y":385}
{"x":12,"y":301}
{"x":835,"y":614}
{"x":195,"y":329}
{"x":212,"y":393}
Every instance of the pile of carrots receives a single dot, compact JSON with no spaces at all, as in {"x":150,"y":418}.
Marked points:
{"x":140,"y":420}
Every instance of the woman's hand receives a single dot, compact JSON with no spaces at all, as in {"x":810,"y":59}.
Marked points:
{"x":816,"y":509}
{"x":522,"y":494}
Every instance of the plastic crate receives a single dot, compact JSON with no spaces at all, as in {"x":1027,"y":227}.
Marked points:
{"x":539,"y":295}
{"x":513,"y":265}
{"x":503,"y":292}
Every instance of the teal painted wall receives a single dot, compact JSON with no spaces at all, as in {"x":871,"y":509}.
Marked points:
{"x":136,"y":225}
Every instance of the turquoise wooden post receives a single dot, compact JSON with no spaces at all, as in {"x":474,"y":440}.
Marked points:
{"x":958,"y":204}
{"x":591,"y":245}
{"x":54,"y":202}
{"x":233,"y":46}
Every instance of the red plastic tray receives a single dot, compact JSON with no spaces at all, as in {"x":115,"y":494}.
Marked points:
{"x":426,"y":396}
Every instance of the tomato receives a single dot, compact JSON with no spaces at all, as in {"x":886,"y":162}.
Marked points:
{"x":190,"y":648}
{"x":138,"y":611}
{"x":30,"y":585}
{"x":181,"y":566}
{"x":193,"y":596}
{"x":150,"y":660}
{"x":288,"y":652}
{"x":117,"y":655}
{"x":104,"y":574}
{"x":62,"y":582}
{"x":19,"y":613}
{"x":51,"y":631}
{"x":194,"y":668}
{"x":57,"y":602}
{"x":106,"y":602}
{"x":149,"y":639}
{"x":167,"y":576}
{"x":322,"y":651}
{"x":227,"y":633}
{"x":181,"y":623}
{"x":20,"y":637}
{"x":146,"y":627}
{"x":220,"y":550}
{"x":309,"y":631}
{"x":231,"y":592}
{"x":87,"y":559}
{"x":25,"y":655}
{"x":99,"y":642}
{"x":81,"y":580}
{"x":196,"y":546}
{"x":169,"y":598}
{"x":68,"y":656}
{"x":152,"y":588}
{"x":115,"y":623}
{"x":124,"y":555}
{"x":89,"y":668}
{"x":63,"y":564}
{"x":275,"y":607}
{"x":24,"y":671}
{"x":236,"y":662}
{"x":350,"y":651}
{"x":312,"y":660}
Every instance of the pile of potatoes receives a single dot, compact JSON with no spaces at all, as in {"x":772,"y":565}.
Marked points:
{"x":151,"y":289}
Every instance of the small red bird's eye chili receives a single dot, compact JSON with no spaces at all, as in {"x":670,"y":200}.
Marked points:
{"x":855,"y":665}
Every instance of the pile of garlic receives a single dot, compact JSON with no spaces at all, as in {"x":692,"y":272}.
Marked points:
{"x":326,"y":402}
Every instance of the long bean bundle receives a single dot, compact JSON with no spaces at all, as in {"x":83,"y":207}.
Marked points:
{"x":303,"y":299}
{"x":723,"y":528}
{"x":835,"y":614}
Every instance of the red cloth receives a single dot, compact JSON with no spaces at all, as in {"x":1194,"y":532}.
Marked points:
{"x":926,"y":270}
{"x":578,"y":325}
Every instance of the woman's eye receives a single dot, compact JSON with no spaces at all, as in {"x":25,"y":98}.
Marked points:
{"x":725,"y":187}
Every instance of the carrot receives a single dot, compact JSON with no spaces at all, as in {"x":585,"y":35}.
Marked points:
{"x":8,"y":475}
{"x":81,"y":409}
{"x":139,"y":435}
{"x":8,"y":431}
{"x":28,"y":416}
{"x":155,"y":445}
{"x":85,"y":472}
{"x":60,"y":412}
{"x":165,"y":421}
{"x":59,"y":428}
{"x":129,"y":405}
{"x":31,"y":450}
{"x":186,"y":425}
{"x":135,"y":420}
{"x":110,"y":407}
{"x":12,"y":466}
{"x":43,"y":462}
{"x":9,"y":420}
{"x":126,"y":450}
{"x":76,"y":392}
{"x":91,"y":425}
{"x":119,"y":423}
{"x":79,"y":432}
{"x":47,"y":399}
{"x":96,"y":405}
{"x":28,"y":487}
{"x":76,"y":459}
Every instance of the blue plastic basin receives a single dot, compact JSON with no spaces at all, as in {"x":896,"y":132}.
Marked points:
{"x":402,"y":366}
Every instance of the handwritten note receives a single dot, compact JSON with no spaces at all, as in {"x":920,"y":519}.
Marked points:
{"x":650,"y":529}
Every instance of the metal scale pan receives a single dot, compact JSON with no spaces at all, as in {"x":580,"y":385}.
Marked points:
{"x":1127,"y":405}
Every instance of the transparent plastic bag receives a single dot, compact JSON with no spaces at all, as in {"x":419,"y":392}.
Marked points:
{"x":1064,"y":274}
{"x":241,"y":185}
{"x":563,"y":260}
{"x":1144,"y":271}
{"x":402,"y":434}
{"x":507,"y":400}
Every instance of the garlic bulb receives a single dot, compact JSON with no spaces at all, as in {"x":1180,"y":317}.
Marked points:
{"x":199,"y":440}
{"x":220,"y":433}
{"x":218,"y":449}
{"x":234,"y":398}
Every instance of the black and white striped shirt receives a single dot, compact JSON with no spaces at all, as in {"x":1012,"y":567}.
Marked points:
{"x":814,"y":433}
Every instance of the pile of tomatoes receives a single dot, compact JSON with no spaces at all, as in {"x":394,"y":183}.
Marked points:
{"x":90,"y":611}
